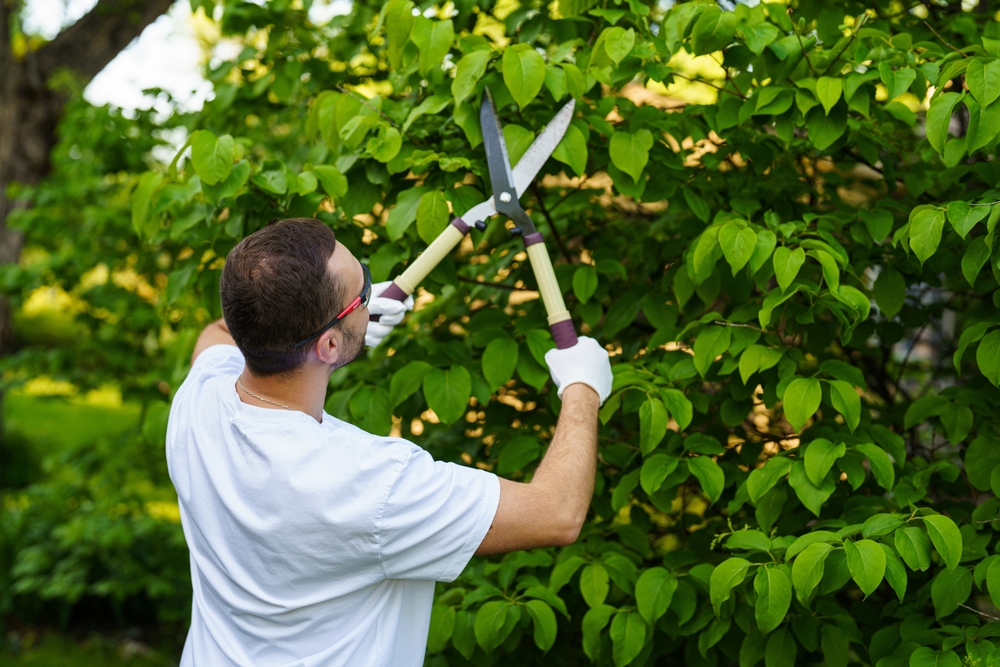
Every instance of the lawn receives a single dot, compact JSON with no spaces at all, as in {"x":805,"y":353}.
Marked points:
{"x":97,"y":651}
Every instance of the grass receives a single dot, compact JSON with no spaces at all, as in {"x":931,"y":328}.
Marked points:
{"x":57,"y":651}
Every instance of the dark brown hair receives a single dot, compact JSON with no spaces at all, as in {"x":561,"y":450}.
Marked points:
{"x":276,"y":289}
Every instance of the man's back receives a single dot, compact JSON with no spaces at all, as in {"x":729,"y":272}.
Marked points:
{"x":311,"y":543}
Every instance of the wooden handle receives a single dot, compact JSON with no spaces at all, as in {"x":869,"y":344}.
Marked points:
{"x":560,"y":323}
{"x":406,"y":283}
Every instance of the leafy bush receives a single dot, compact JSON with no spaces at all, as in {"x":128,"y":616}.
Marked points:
{"x":797,"y":463}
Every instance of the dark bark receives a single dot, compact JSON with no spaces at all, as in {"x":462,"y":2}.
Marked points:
{"x":30,"y":108}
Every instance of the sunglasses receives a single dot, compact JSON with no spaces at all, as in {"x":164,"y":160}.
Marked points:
{"x":359,"y":301}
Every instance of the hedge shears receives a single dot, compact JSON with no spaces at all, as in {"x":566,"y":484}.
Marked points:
{"x":508,"y":185}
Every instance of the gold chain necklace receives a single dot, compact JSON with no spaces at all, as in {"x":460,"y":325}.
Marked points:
{"x":239,"y":381}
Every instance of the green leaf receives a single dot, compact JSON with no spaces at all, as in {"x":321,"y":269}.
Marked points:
{"x":939,"y":119}
{"x":149,"y":183}
{"x":946,"y":537}
{"x":490,"y":619}
{"x":518,"y":453}
{"x":890,"y":292}
{"x":878,"y":222}
{"x":880,"y":464}
{"x":572,"y":150}
{"x":880,"y":525}
{"x":761,"y":480}
{"x":594,"y":584}
{"x":781,"y":649}
{"x":448,"y":392}
{"x":618,"y":42}
{"x":713,"y":30}
{"x":774,"y":596}
{"x":866,"y":561}
{"x":385,"y":144}
{"x":212,"y":156}
{"x":897,"y":81}
{"x":584,"y":282}
{"x":812,"y":496}
{"x":698,"y":205}
{"x":835,"y":645}
{"x":518,"y":140}
{"x":468,"y":72}
{"x":816,"y":536}
{"x":523,"y":72}
{"x":847,"y":402}
{"x":984,"y":124}
{"x":762,"y":250}
{"x":708,"y":472}
{"x":993,"y":581}
{"x":432,"y":215}
{"x":976,"y":256}
{"x":988,"y":357}
{"x":545,"y":623}
{"x":807,"y":570}
{"x":787,"y":264}
{"x":925,"y":232}
{"x":949,"y":589}
{"x":499,"y":361}
{"x":964,"y":216}
{"x":431,"y":105}
{"x":711,"y":342}
{"x":801,"y":401}
{"x":653,"y":420}
{"x":820,"y":456}
{"x":679,"y":406}
{"x":433,"y":40}
{"x":655,"y":470}
{"x":630,"y":151}
{"x":594,"y":621}
{"x":828,"y":90}
{"x":464,"y":637}
{"x":895,"y":573}
{"x":628,"y":635}
{"x":406,"y":381}
{"x":924,"y":656}
{"x":726,"y":576}
{"x":825,"y":129}
{"x":983,"y":80}
{"x":914,"y":547}
{"x":737,"y":245}
{"x":441,"y":627}
{"x":654,"y":591}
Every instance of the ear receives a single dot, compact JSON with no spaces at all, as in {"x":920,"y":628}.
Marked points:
{"x":327,"y":348}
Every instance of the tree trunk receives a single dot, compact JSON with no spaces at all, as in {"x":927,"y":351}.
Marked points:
{"x":30,"y":109}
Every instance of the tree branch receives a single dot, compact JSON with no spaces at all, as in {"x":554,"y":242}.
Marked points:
{"x":552,"y":225}
{"x":87,"y":46}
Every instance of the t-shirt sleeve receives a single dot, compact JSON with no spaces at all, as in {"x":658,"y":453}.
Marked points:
{"x":216,"y":360}
{"x":435,"y":518}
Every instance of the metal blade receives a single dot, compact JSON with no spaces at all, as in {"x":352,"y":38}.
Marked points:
{"x":497,"y":159}
{"x":542,"y":147}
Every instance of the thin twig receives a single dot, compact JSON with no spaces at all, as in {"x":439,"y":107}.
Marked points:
{"x":976,"y":611}
{"x":552,"y":224}
{"x":906,"y":359}
{"x":740,"y":326}
{"x":988,"y":203}
{"x":803,"y":47}
{"x":953,"y":48}
{"x":711,"y":85}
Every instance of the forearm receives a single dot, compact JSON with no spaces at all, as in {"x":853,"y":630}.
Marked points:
{"x":566,"y":474}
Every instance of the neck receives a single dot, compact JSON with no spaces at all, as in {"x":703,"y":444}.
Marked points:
{"x":305,"y":391}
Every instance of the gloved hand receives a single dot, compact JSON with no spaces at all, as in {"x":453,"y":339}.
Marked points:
{"x":586,"y":362}
{"x":391,"y":313}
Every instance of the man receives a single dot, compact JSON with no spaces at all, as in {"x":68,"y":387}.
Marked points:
{"x":314,"y":543}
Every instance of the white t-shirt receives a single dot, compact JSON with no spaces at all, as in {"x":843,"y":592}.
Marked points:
{"x":312,"y":544}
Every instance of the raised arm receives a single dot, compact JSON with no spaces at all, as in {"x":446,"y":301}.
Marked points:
{"x":216,"y":333}
{"x":550,"y":510}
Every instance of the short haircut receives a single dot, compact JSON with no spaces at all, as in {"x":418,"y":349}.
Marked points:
{"x":276,"y":289}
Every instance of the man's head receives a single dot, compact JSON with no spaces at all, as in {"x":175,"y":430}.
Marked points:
{"x":285,"y":283}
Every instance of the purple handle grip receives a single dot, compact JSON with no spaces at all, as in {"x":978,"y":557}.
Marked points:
{"x":391,"y":292}
{"x":564,"y":334}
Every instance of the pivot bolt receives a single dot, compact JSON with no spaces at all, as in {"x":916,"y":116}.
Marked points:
{"x":505,"y":197}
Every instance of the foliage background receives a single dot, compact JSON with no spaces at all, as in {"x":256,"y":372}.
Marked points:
{"x":794,"y":270}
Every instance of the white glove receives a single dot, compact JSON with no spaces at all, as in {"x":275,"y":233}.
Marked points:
{"x":391,"y":313}
{"x":586,"y":362}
